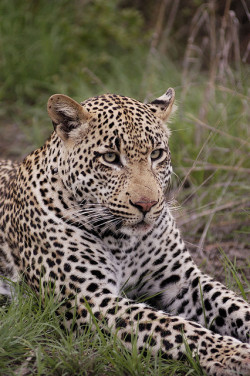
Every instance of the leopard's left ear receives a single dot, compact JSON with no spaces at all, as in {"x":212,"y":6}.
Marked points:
{"x":164,"y":105}
{"x":67,"y":116}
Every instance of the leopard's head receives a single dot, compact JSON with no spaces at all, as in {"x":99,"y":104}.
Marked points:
{"x":114,"y":157}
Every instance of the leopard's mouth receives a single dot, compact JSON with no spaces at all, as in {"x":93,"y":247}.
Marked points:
{"x":140,"y":228}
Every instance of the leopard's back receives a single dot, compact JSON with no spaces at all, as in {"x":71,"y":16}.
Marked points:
{"x":8,"y":173}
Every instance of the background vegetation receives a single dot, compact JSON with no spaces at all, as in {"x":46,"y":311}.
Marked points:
{"x":137,"y":48}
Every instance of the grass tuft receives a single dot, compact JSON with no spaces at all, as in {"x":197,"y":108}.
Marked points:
{"x":235,"y":277}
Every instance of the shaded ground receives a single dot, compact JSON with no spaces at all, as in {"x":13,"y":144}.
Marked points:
{"x":211,"y":260}
{"x":14,"y":142}
{"x":230,"y":236}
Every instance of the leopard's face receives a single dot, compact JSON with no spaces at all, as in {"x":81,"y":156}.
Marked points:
{"x":116,"y":163}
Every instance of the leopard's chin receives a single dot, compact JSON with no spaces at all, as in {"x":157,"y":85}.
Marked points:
{"x":140,"y":228}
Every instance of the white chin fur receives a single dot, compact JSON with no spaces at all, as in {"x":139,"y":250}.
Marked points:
{"x":140,"y":229}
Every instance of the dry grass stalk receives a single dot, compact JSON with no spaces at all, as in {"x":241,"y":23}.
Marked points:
{"x":199,"y":187}
{"x":189,"y":58}
{"x":156,"y":37}
{"x":218,"y":201}
{"x":159,"y":24}
{"x":228,"y":205}
{"x":94,"y":78}
{"x":231,"y":91}
{"x":193,"y":165}
{"x":216,"y":130}
{"x":221,"y":51}
{"x":210,"y":218}
{"x":215,"y":167}
{"x":170,"y":22}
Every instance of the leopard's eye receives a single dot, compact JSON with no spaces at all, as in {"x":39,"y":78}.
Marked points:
{"x":111,"y":157}
{"x":156,"y":154}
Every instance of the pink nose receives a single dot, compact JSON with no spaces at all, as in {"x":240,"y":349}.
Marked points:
{"x":144,"y":205}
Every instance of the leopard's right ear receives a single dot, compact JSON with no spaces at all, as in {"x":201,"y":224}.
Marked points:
{"x":164,"y":105}
{"x":67,"y":115}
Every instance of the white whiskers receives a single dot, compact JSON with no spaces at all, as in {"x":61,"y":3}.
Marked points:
{"x":91,"y":214}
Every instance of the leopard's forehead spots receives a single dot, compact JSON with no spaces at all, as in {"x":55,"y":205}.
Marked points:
{"x":125,"y":123}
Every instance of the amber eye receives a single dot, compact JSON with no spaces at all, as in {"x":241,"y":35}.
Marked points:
{"x":111,"y":158}
{"x":156,"y":154}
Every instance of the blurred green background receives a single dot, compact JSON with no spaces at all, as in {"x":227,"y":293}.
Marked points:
{"x":140,"y":48}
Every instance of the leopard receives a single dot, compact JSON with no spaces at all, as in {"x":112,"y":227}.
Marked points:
{"x":88,"y":215}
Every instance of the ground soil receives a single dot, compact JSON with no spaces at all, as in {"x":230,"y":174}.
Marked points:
{"x":14,"y":143}
{"x":210,"y":258}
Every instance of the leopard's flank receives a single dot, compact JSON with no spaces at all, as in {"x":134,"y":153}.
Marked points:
{"x":87,"y":214}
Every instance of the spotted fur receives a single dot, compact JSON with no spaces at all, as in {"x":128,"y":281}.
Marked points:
{"x":87,"y":213}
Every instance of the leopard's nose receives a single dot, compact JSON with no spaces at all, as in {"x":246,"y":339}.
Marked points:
{"x":144,"y":205}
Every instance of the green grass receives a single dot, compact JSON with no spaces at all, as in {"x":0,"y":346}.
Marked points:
{"x":235,"y":277}
{"x":33,"y":343}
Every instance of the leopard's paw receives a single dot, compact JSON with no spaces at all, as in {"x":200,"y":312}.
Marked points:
{"x":225,"y":357}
